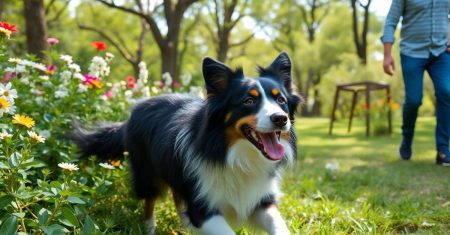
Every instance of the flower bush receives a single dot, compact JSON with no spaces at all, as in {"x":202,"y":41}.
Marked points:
{"x":44,"y":189}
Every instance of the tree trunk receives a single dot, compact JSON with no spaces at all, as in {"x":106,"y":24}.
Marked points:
{"x":2,"y":9}
{"x":169,"y":56}
{"x":360,"y":40}
{"x":35,"y":27}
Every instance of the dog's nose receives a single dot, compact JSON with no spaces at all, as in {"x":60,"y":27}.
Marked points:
{"x":279,"y":119}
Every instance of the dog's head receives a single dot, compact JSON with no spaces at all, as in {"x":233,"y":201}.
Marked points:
{"x":259,"y":110}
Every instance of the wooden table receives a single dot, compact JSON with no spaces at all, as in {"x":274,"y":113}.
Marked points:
{"x":355,"y":88}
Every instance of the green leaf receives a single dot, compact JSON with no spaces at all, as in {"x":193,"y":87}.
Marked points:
{"x":19,"y":214}
{"x":14,"y":159}
{"x":89,"y":226}
{"x":3,"y":166}
{"x":5,"y":200}
{"x":70,"y":216}
{"x":43,"y":216}
{"x":54,"y":229}
{"x":75,"y":200}
{"x":9,"y":226}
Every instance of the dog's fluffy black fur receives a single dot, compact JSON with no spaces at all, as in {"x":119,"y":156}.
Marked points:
{"x":220,"y":156}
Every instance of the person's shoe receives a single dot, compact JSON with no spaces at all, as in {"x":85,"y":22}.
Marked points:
{"x":405,"y":150}
{"x":442,"y":159}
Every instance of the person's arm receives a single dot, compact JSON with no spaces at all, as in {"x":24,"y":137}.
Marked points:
{"x":388,"y":38}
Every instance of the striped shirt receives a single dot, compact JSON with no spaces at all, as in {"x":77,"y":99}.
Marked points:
{"x":424,"y":26}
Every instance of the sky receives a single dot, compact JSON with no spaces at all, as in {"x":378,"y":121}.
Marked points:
{"x":380,"y":7}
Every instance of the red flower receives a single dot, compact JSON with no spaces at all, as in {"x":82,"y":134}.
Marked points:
{"x":131,"y":79}
{"x":100,"y":46}
{"x":10,"y":27}
{"x":50,"y":70}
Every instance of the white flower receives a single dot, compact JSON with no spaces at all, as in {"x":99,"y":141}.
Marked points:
{"x":66,"y":75}
{"x":44,"y":77}
{"x":186,"y":79}
{"x":155,"y":90}
{"x":82,"y":88}
{"x":14,"y":60}
{"x":143,"y":73}
{"x":5,"y":135}
{"x":107,"y":166}
{"x":25,"y":80}
{"x":79,"y":76}
{"x":332,"y":166}
{"x":20,"y":68}
{"x":68,"y":166}
{"x":66,"y":58}
{"x":45,"y":133}
{"x":98,"y":67}
{"x":167,"y":79}
{"x":33,"y":65}
{"x":109,"y":56}
{"x":36,"y":137}
{"x":146,"y":92}
{"x":128,"y":94}
{"x":75,"y":68}
{"x":61,"y":92}
{"x":8,"y":92}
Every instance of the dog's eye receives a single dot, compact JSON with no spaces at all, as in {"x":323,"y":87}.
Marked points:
{"x":249,"y":101}
{"x":281,"y":100}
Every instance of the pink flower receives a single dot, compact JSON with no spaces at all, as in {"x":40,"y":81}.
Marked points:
{"x":50,"y":70}
{"x":176,"y":84}
{"x":161,"y":84}
{"x":8,"y":76}
{"x":109,"y":94}
{"x":92,"y":81}
{"x":52,"y":41}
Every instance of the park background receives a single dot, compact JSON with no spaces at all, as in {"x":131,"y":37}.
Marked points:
{"x":343,"y":183}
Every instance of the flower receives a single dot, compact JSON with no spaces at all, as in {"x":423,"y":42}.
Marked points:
{"x":68,"y":166}
{"x":143,"y":73}
{"x":332,"y":166}
{"x":52,"y":41}
{"x":92,"y":81}
{"x":107,"y":166}
{"x":131,"y":82}
{"x":5,"y":135}
{"x":8,"y":76}
{"x":36,"y":137}
{"x":23,"y":120}
{"x":7,"y":29}
{"x":10,"y":27}
{"x":99,"y":67}
{"x":66,"y":58}
{"x":109,"y":94}
{"x":5,"y":105}
{"x":186,"y":79}
{"x":100,"y":46}
{"x":50,"y":70}
{"x":7,"y":92}
{"x":115,"y":163}
{"x":176,"y":84}
{"x":66,"y":75}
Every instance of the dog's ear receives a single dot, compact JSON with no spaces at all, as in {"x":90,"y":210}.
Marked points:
{"x":279,"y":69}
{"x":217,"y":75}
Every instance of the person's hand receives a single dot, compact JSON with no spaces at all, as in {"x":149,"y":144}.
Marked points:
{"x":389,"y":65}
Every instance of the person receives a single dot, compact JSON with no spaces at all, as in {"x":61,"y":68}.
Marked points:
{"x":423,"y":47}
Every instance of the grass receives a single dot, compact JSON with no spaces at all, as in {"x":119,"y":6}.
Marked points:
{"x":372,"y":192}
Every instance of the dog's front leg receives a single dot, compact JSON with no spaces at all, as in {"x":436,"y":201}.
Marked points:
{"x":216,"y":225}
{"x":268,"y":217}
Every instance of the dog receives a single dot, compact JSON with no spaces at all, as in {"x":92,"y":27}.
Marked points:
{"x":222,"y":157}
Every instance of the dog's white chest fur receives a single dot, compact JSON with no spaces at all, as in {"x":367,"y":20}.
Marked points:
{"x":238,"y":187}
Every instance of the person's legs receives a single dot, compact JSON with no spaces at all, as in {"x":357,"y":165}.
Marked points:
{"x":413,"y":70}
{"x":439,"y":71}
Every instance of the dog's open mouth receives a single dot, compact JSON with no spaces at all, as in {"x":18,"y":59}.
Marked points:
{"x":268,"y":143}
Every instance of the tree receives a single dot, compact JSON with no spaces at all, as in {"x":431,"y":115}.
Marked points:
{"x":225,"y":16}
{"x":173,"y":15}
{"x":133,"y":58}
{"x":312,"y":20}
{"x":360,"y":40}
{"x":35,"y":27}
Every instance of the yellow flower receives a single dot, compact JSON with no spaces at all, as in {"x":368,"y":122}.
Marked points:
{"x":5,"y":105}
{"x":115,"y":163}
{"x":36,"y":137}
{"x":68,"y":166}
{"x":23,"y":120}
{"x":6,"y":32}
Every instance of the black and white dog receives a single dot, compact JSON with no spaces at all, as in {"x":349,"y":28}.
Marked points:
{"x":221,"y":157}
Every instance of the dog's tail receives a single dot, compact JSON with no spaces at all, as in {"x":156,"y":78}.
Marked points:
{"x":106,"y":142}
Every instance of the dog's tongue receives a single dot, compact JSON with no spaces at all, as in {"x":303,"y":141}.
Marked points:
{"x":272,"y":146}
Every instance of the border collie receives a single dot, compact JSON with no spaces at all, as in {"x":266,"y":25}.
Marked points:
{"x":221,"y":157}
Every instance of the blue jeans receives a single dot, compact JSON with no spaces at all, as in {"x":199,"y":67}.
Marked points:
{"x":438,"y":67}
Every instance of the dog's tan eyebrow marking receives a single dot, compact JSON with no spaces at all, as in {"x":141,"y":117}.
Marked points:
{"x":254,"y":92}
{"x":275,"y":91}
{"x":228,"y":116}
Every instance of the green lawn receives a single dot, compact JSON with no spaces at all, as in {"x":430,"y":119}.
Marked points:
{"x":372,"y":192}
